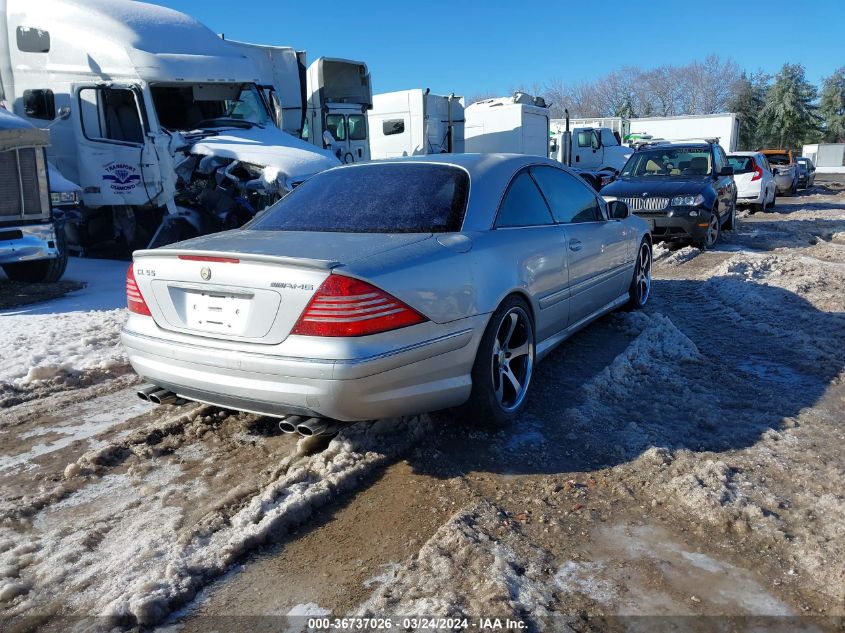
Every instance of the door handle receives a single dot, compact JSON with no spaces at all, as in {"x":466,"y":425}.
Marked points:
{"x":575,"y":245}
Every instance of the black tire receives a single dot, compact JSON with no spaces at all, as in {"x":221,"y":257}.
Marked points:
{"x":43,"y":270}
{"x":730,"y":223}
{"x":771,"y":207}
{"x":640,"y":289}
{"x":714,"y":230}
{"x":494,"y":401}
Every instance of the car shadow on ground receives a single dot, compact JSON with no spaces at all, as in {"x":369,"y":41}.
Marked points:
{"x":764,"y":354}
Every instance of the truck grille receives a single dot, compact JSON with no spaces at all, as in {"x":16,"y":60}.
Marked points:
{"x":646,"y":204}
{"x":21,"y":184}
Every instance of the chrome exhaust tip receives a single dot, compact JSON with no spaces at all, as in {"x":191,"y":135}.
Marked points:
{"x":163,"y":396}
{"x":318,"y":426}
{"x":288,"y":424}
{"x":144,"y":392}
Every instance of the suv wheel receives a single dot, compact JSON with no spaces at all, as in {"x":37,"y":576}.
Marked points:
{"x":713,"y":231}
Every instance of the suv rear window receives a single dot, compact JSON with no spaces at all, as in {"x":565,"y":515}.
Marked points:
{"x":386,"y":198}
{"x":741,"y":164}
{"x":778,"y":159}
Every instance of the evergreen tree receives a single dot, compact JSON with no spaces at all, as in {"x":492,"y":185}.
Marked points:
{"x":789,"y":117}
{"x":748,"y":98}
{"x":832,"y":107}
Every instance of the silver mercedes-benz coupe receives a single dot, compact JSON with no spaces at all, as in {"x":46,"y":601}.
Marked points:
{"x":388,"y":288}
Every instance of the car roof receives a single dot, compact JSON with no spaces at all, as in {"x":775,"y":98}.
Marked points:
{"x":489,"y":175}
{"x":743,"y":154}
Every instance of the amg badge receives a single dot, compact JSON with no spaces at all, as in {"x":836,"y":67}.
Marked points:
{"x":289,"y":286}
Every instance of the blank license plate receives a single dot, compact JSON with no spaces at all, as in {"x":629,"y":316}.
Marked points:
{"x":216,"y":311}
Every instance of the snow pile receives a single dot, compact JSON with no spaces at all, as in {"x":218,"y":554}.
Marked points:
{"x":42,"y":347}
{"x":69,"y":337}
{"x":472,"y":566}
{"x":819,"y":282}
{"x":136,"y":544}
{"x":674,"y":257}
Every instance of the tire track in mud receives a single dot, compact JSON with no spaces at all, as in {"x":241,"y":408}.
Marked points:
{"x":162,"y":510}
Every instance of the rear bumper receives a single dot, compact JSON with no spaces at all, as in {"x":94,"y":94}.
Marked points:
{"x":24,"y":243}
{"x":750,"y":196}
{"x":784,"y":183}
{"x":427,"y":376}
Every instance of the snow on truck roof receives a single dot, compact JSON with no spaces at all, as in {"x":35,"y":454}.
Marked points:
{"x":130,"y":37}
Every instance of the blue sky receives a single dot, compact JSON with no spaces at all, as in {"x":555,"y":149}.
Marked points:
{"x":477,"y":46}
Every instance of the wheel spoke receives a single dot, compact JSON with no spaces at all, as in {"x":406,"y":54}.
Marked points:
{"x":517,"y":388}
{"x":499,"y":385}
{"x":514,"y":319}
{"x":522,"y":350}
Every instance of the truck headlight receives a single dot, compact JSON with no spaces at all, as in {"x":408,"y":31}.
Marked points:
{"x":687,"y":201}
{"x":64,"y":197}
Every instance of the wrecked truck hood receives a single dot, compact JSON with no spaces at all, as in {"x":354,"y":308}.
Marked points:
{"x":269,"y":147}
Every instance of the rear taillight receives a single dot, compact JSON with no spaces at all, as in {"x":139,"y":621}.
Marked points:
{"x":343,"y":306}
{"x":758,"y":172}
{"x":134,"y":299}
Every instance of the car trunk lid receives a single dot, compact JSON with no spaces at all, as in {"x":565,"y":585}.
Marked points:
{"x":253,"y":291}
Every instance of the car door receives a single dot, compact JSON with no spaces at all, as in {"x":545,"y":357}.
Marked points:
{"x":724,"y":184}
{"x":528,"y":243}
{"x":598,"y":249}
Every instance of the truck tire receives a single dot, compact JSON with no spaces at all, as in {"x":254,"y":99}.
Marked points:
{"x":42,"y":270}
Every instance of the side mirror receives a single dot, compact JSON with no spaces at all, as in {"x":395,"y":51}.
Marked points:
{"x":775,"y":171}
{"x":727,"y":171}
{"x":63,"y":113}
{"x":618,"y":210}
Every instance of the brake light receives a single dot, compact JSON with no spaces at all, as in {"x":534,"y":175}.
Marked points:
{"x":343,"y":306}
{"x":758,"y":172}
{"x":206,"y":258}
{"x":134,"y":299}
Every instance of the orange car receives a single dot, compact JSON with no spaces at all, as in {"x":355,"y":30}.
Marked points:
{"x":784,"y":168}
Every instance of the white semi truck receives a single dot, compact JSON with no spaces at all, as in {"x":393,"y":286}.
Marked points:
{"x":588,"y":145}
{"x":517,"y":125}
{"x":723,"y":126}
{"x":415,"y":122}
{"x":331,"y":95}
{"x":161,"y":122}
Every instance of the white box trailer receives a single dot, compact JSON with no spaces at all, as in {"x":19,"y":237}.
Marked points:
{"x":415,"y":122}
{"x":829,"y":158}
{"x":159,"y":120}
{"x":724,"y":126}
{"x":517,"y":125}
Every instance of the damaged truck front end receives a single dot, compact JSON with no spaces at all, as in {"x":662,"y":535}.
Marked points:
{"x":168,"y":161}
{"x":229,"y":158}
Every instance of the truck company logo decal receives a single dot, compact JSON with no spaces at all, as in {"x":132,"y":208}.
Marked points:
{"x":121,"y":176}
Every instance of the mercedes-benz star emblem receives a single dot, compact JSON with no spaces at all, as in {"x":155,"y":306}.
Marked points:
{"x":205,"y":273}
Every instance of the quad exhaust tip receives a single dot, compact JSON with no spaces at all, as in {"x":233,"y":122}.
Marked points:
{"x":157,"y":395}
{"x":309,"y":427}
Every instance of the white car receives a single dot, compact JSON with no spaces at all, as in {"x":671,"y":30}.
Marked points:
{"x":755,"y":182}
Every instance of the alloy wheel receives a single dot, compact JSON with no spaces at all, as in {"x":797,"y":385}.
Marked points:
{"x":643,"y":274}
{"x":712,"y":230}
{"x":512,"y":361}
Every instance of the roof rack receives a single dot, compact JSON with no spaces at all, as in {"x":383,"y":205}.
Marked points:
{"x":642,"y":144}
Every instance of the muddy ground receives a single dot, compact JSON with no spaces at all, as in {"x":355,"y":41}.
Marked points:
{"x":683,"y":461}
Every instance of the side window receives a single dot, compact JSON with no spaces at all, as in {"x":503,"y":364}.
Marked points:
{"x":523,"y":204}
{"x":39,"y":104}
{"x":336,"y":124}
{"x":718,"y":159}
{"x":393,"y":126}
{"x":33,"y":40}
{"x":585,"y":138}
{"x":571,"y":199}
{"x":110,"y":114}
{"x":357,"y":127}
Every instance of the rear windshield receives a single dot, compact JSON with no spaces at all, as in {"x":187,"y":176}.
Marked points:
{"x":741,"y":164}
{"x":386,"y":198}
{"x":778,"y":159}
